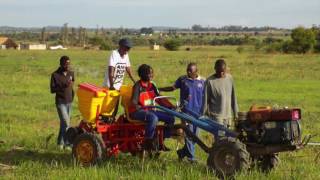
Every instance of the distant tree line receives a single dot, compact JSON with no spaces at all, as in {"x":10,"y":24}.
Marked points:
{"x":302,"y":40}
{"x":233,"y":28}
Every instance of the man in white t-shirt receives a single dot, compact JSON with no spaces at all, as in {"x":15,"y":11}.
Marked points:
{"x":118,"y":64}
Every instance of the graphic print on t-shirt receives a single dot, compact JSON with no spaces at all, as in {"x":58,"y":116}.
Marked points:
{"x":119,"y":72}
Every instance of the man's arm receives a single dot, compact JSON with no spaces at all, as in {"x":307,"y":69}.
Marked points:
{"x":135,"y":96}
{"x":234,"y":102}
{"x":128,"y":69}
{"x":167,"y":89}
{"x":73,"y":78}
{"x":205,"y":98}
{"x":53,"y":85}
{"x":176,"y":85}
{"x":111,"y":76}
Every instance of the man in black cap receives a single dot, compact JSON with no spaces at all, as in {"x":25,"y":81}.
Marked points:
{"x":118,"y":64}
{"x":61,"y":84}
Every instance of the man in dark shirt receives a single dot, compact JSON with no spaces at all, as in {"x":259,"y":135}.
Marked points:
{"x":191,"y":95}
{"x":62,"y":85}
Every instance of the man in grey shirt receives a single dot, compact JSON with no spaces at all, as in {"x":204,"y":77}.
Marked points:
{"x":220,"y":102}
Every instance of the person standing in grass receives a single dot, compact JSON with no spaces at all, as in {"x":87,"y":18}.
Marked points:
{"x":61,"y":84}
{"x":118,"y":64}
{"x":220,"y":102}
{"x":191,"y":95}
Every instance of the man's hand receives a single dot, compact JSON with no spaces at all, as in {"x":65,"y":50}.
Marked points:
{"x":70,"y":82}
{"x":128,"y":69}
{"x":67,"y":84}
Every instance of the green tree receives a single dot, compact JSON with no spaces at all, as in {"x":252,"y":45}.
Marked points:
{"x":43,"y":37}
{"x":64,"y":34}
{"x":316,"y":31}
{"x":73,"y":38}
{"x":145,"y":30}
{"x":172,"y":44}
{"x":303,"y":40}
{"x":82,"y":36}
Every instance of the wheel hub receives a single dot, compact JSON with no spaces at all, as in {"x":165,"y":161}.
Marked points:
{"x":85,"y":151}
{"x":229,"y":159}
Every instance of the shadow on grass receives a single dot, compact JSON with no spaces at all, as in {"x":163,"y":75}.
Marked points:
{"x":124,"y":163}
{"x":158,"y":166}
{"x":16,"y":157}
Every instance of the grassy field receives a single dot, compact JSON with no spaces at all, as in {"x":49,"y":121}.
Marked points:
{"x":28,"y":116}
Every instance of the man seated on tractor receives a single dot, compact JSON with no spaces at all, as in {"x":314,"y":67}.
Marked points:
{"x":144,"y":91}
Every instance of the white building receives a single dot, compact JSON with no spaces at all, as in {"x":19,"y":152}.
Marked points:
{"x":33,"y":46}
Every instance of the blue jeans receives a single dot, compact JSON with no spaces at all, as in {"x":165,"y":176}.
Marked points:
{"x":151,"y":119}
{"x":64,"y":112}
{"x":188,"y":149}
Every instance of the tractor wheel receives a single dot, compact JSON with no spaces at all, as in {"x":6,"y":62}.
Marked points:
{"x":72,"y":133}
{"x":88,"y":149}
{"x":268,"y":162}
{"x":228,"y":156}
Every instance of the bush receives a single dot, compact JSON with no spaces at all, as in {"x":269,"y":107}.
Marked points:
{"x":140,"y":41}
{"x":172,"y":44}
{"x":303,"y":40}
{"x":274,"y":47}
{"x":258,"y":45}
{"x":317,"y":45}
{"x":286,"y":46}
{"x":216,"y":42}
{"x":106,"y":46}
{"x":96,"y":41}
{"x":271,"y":40}
{"x":103,"y":44}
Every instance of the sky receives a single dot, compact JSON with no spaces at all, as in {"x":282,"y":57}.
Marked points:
{"x":147,"y":13}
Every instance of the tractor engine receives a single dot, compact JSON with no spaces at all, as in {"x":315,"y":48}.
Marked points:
{"x":268,"y":126}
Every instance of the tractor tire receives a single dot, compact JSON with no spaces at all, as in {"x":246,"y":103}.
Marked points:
{"x":72,"y":133}
{"x":268,"y":162}
{"x":88,"y":149}
{"x":228,"y":156}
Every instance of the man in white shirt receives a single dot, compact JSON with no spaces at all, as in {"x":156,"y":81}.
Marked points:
{"x":118,"y":64}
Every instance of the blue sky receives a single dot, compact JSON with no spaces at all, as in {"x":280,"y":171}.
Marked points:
{"x":145,"y":13}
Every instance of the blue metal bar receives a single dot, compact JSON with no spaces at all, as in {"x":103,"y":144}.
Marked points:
{"x":206,"y":124}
